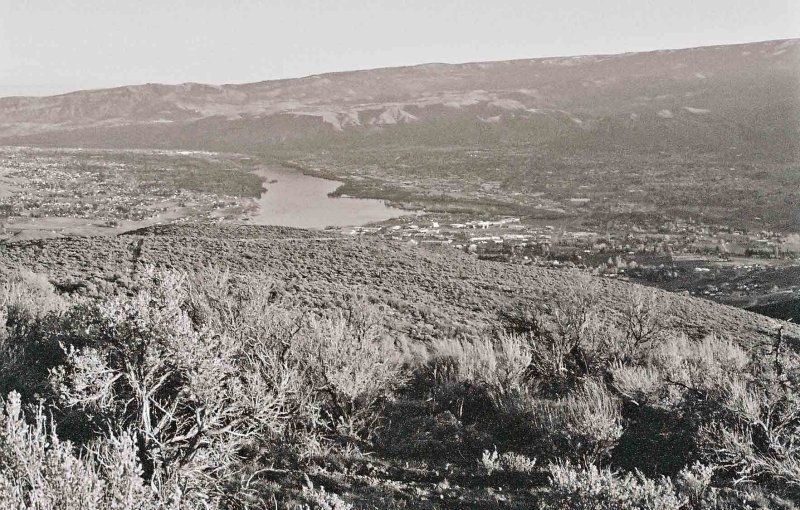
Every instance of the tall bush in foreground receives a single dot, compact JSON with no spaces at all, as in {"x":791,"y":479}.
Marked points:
{"x":41,"y":472}
{"x":755,"y":440}
{"x":564,"y":333}
{"x":502,"y":364}
{"x":205,"y":380}
{"x":196,"y":399}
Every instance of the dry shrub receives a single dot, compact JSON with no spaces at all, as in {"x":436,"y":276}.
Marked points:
{"x":549,"y":348}
{"x":39,"y":471}
{"x":30,"y":292}
{"x":207,"y":375}
{"x":677,"y":368}
{"x":24,"y":297}
{"x":32,"y":318}
{"x":713,"y":400}
{"x":638,"y":384}
{"x":694,"y":483}
{"x":630,"y":340}
{"x":564,"y":334}
{"x":510,"y":462}
{"x":500,"y":364}
{"x":354,"y":366}
{"x":645,"y":317}
{"x":243,"y":307}
{"x":670,"y":392}
{"x":592,"y":488}
{"x":177,"y":395}
{"x":755,"y":437}
{"x":583,"y":426}
{"x":485,"y":383}
{"x":317,"y":498}
{"x":196,"y":399}
{"x":336,"y":368}
{"x":773,"y":456}
{"x":707,"y":365}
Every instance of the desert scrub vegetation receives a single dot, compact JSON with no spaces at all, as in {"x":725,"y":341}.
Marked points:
{"x":203,"y":376}
{"x":216,"y":389}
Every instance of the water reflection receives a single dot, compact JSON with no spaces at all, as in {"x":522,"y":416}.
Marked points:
{"x":293,"y":199}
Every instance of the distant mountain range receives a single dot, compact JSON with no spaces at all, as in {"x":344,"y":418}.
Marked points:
{"x":742,"y":97}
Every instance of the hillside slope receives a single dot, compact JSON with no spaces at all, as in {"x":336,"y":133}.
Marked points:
{"x":428,"y":294}
{"x":405,"y":396}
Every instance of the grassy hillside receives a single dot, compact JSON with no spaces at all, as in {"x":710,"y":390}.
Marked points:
{"x":305,"y":370}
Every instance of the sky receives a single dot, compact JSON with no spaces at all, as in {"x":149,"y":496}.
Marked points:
{"x":50,"y":47}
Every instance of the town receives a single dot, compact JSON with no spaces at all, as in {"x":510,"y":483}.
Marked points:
{"x":57,"y":192}
{"x":718,"y":262}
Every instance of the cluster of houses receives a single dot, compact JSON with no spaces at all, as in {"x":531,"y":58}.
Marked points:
{"x":716,"y":262}
{"x":61,"y":186}
{"x":511,"y":237}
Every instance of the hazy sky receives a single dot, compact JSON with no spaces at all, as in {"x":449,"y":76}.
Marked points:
{"x":54,"y":46}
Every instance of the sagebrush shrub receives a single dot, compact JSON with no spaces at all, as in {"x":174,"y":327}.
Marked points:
{"x":354,"y":366}
{"x":29,"y":291}
{"x":317,"y":498}
{"x":564,"y":333}
{"x":204,"y":375}
{"x":195,"y":398}
{"x":39,"y":471}
{"x":29,"y":307}
{"x":509,"y":461}
{"x":645,"y":317}
{"x":707,"y":365}
{"x":501,"y":364}
{"x":755,"y":438}
{"x":694,"y":483}
{"x":583,"y":426}
{"x":183,"y":392}
{"x":593,"y":488}
{"x":639,"y":384}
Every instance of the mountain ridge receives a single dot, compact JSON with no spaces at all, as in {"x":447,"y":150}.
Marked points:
{"x":704,"y":85}
{"x":409,"y":66}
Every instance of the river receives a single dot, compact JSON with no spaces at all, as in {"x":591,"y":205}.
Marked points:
{"x":294,"y":199}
